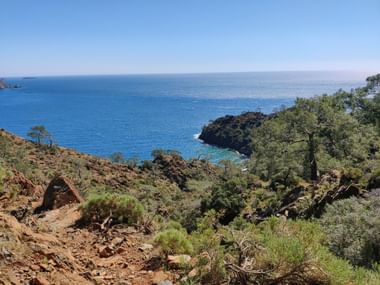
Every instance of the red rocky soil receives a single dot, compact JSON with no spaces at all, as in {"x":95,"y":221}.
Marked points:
{"x":49,"y":248}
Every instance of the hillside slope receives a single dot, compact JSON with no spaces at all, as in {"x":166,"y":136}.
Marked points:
{"x":195,"y":219}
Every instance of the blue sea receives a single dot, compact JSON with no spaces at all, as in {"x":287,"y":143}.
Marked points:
{"x":135,"y":114}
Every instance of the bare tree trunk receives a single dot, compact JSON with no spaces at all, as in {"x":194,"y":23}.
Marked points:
{"x":312,"y":159}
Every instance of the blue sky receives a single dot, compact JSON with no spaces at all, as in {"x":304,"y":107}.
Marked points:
{"x":46,"y":37}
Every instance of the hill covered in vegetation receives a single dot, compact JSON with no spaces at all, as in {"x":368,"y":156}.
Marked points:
{"x":304,"y":210}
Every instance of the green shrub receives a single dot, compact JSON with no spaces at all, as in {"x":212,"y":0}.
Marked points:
{"x":173,"y":225}
{"x":158,"y":153}
{"x":211,"y":255}
{"x":132,"y":161}
{"x":352,"y":227}
{"x":227,"y":199}
{"x":351,"y":175}
{"x":276,"y":251}
{"x":173,"y":241}
{"x":147,"y":165}
{"x":120,"y":208}
{"x":199,"y":186}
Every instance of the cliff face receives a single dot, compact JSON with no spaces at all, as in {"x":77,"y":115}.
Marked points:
{"x":233,"y":131}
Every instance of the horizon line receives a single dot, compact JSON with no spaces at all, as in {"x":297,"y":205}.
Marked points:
{"x":186,"y":73}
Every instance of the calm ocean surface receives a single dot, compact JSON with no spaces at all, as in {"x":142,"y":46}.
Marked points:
{"x":135,"y":114}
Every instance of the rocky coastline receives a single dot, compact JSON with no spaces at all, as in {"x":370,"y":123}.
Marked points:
{"x":233,"y":132}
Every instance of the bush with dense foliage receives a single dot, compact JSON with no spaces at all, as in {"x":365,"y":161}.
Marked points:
{"x":227,"y":199}
{"x":352,"y":227}
{"x":274,"y":252}
{"x":173,"y":241}
{"x":118,"y":208}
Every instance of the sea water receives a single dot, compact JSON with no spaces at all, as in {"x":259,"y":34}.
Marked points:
{"x":135,"y":114}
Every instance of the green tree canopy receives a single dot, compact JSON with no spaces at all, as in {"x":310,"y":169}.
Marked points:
{"x":227,"y":199}
{"x":316,"y":134}
{"x":40,"y":135}
{"x":117,"y":157}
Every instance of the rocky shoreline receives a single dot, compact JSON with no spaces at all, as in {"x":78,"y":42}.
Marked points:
{"x":233,"y":132}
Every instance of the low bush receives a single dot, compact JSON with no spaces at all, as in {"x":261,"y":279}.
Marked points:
{"x":117,"y":157}
{"x":147,"y":165}
{"x":352,"y":227}
{"x":118,"y":208}
{"x":274,"y":252}
{"x":210,"y":254}
{"x":173,"y":225}
{"x":173,"y":241}
{"x":351,"y":175}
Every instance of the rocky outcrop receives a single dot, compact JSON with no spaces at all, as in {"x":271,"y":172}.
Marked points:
{"x":173,"y":167}
{"x":179,"y":171}
{"x":26,"y":186}
{"x":233,"y":131}
{"x":60,"y":192}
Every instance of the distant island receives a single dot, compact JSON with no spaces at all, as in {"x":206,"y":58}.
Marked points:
{"x":5,"y":85}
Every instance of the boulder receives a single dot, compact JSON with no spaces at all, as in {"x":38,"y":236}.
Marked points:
{"x":60,"y":192}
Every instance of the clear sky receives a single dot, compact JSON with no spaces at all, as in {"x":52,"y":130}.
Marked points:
{"x":50,"y":37}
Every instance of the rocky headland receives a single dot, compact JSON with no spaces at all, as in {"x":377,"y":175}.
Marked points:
{"x":234,"y":132}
